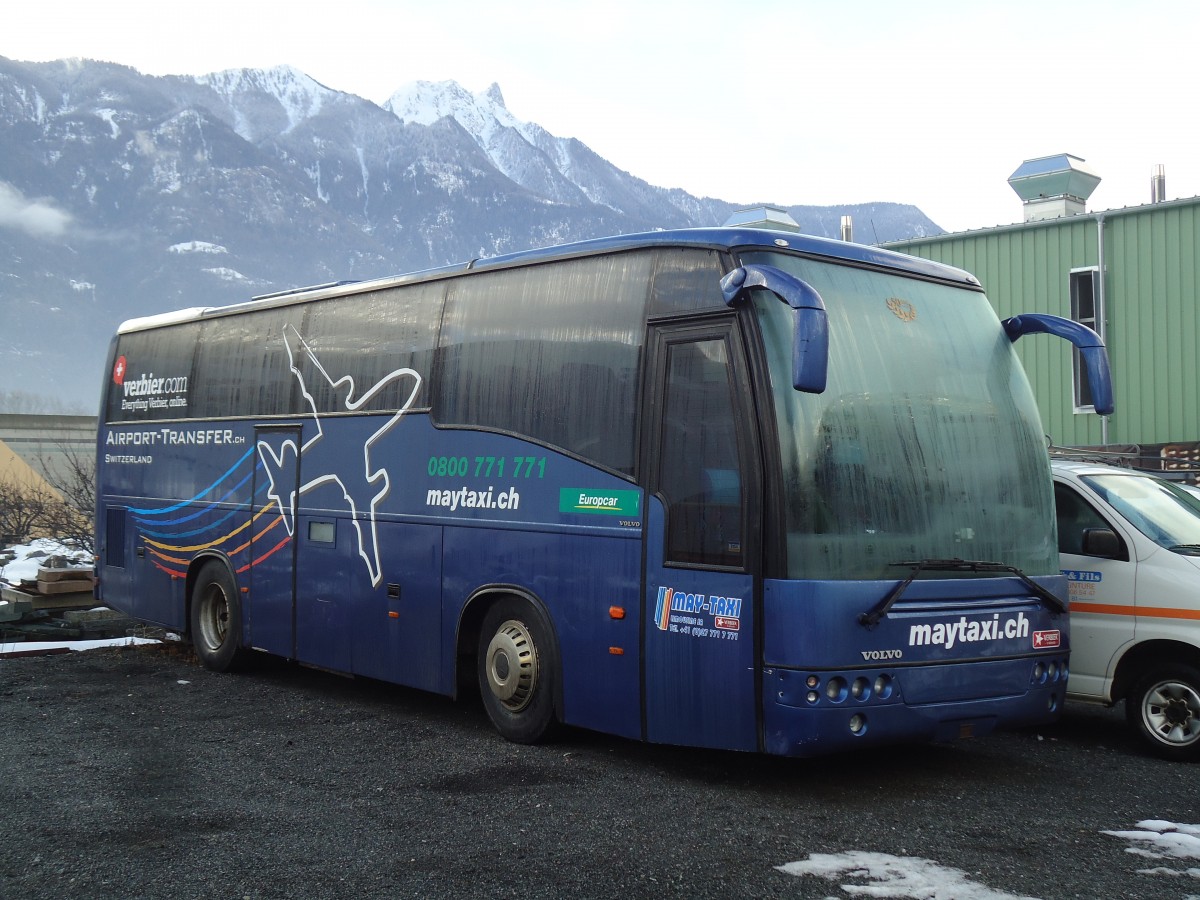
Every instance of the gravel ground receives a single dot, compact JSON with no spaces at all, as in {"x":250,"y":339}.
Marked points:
{"x":133,"y":772}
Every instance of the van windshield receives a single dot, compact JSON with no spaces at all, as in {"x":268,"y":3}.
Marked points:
{"x":1168,"y":515}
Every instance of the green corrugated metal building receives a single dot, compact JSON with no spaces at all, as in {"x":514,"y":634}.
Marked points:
{"x":1144,"y":304}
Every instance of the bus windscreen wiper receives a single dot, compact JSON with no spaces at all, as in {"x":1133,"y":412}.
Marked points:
{"x":1184,"y":548}
{"x":871,"y":618}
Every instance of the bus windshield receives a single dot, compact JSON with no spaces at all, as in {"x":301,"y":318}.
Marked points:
{"x":926,"y":443}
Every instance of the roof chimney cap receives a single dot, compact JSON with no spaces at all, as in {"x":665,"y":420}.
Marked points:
{"x":1046,"y":177}
{"x":762,"y":217}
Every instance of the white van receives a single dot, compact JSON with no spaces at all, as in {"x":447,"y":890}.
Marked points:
{"x":1129,"y":544}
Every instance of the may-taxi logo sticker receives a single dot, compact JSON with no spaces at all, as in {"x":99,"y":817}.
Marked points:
{"x":697,"y":614}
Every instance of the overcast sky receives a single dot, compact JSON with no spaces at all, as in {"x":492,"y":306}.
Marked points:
{"x":784,"y":101}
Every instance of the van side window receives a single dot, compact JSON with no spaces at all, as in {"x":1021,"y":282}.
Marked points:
{"x":1074,"y":516}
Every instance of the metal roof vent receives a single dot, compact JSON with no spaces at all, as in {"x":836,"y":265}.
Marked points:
{"x":763,"y":217}
{"x":1051,"y":187}
{"x":1158,"y":184}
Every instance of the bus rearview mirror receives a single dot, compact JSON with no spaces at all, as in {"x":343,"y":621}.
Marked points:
{"x":810,"y":328}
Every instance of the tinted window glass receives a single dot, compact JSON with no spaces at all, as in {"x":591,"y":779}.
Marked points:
{"x":1074,"y":516}
{"x":685,"y":281}
{"x":549,"y":351}
{"x":114,"y":536}
{"x":151,"y":377}
{"x":699,"y":471}
{"x":243,"y":364}
{"x":368,"y":338}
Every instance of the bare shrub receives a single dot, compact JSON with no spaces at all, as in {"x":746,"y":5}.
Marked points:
{"x":61,"y":507}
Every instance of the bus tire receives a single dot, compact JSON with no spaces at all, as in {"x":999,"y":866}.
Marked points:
{"x":1164,"y":707}
{"x":216,"y":618}
{"x":517,"y":665}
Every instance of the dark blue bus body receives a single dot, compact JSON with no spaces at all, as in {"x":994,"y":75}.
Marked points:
{"x":586,"y":477}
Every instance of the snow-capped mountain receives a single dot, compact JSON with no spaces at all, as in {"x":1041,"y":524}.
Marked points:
{"x":526,"y":153}
{"x":123,"y":194}
{"x":263,"y":102}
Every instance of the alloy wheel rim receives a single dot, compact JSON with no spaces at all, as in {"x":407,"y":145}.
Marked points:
{"x":1171,"y":712}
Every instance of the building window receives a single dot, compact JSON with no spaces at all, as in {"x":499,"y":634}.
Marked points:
{"x":1087,"y":309}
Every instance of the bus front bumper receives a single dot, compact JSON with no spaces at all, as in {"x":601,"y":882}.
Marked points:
{"x":809,"y":713}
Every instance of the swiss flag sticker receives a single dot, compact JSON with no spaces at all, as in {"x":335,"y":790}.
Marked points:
{"x":119,"y":371}
{"x":1045,"y":640}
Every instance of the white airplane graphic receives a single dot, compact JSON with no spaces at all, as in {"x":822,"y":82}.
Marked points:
{"x":325,"y":458}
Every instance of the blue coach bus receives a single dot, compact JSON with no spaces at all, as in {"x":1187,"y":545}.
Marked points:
{"x":722,"y":488}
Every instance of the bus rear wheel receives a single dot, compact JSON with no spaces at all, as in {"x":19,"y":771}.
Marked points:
{"x":517,"y":666}
{"x":1164,"y":706}
{"x":216,"y":618}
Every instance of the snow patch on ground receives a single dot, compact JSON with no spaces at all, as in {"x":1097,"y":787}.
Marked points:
{"x":866,"y":874}
{"x":32,"y":647}
{"x":861,"y":873}
{"x":27,"y":558}
{"x":1160,"y":840}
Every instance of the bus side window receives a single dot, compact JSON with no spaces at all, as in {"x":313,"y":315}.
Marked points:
{"x":699,"y":472}
{"x":520,"y":349}
{"x":114,"y":537}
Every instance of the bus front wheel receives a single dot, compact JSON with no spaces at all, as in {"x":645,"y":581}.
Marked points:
{"x":216,"y":618}
{"x":1164,"y":706}
{"x":516,"y":671}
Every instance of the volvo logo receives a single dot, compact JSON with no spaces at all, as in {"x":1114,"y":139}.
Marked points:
{"x":880,"y":655}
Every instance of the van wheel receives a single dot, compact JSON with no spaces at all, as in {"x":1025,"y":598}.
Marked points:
{"x":216,"y":619}
{"x":1164,"y":706}
{"x":517,"y":666}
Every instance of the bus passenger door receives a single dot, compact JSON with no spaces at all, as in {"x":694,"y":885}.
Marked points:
{"x":270,"y":604}
{"x":701,"y":673}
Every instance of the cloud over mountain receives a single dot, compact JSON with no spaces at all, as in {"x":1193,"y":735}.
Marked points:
{"x":34,"y":217}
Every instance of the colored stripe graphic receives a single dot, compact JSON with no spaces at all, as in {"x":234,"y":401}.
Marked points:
{"x":172,"y":547}
{"x":1149,"y":612}
{"x":163,"y":510}
{"x":662,"y":610}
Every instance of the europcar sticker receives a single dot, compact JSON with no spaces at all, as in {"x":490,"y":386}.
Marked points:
{"x":599,"y":502}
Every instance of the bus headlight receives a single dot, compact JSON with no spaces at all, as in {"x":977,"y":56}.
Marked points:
{"x":835,"y":690}
{"x":884,"y":687}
